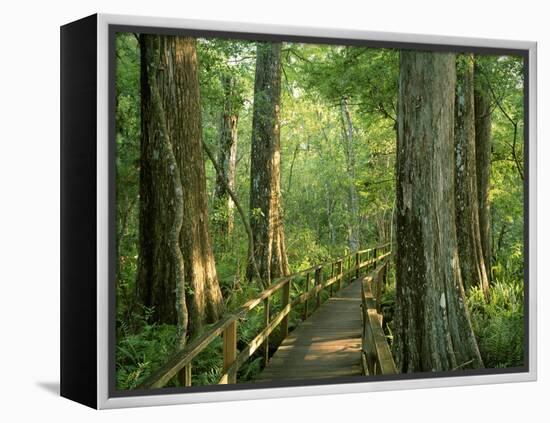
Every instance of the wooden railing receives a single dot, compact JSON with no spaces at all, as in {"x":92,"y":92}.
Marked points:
{"x":331,"y":275}
{"x":376,"y":356}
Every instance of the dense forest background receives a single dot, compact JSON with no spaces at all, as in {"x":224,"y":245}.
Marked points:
{"x":337,"y":118}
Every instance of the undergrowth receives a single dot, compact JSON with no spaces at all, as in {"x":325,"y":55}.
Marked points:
{"x":498,"y":324}
{"x":143,"y":348}
{"x":138,"y":354}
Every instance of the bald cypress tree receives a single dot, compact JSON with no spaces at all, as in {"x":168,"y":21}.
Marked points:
{"x":266,"y":217}
{"x":432,"y":327}
{"x":483,"y":119}
{"x":176,"y":271}
{"x":472,"y":263}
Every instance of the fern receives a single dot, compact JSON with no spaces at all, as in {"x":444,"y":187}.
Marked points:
{"x":499,"y":324}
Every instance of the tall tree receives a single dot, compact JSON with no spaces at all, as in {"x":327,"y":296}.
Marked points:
{"x":265,"y":171}
{"x":470,"y":253}
{"x":176,"y":271}
{"x":349,"y":150}
{"x":482,"y":109}
{"x":227,"y":154}
{"x":432,"y":327}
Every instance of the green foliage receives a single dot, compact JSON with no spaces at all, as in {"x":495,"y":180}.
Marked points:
{"x":127,"y":176}
{"x":139,"y":354}
{"x":315,"y":186}
{"x":208,"y":365}
{"x":499,"y":324}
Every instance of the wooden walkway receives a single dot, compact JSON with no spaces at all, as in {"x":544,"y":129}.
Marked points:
{"x":326,"y":345}
{"x":343,"y":337}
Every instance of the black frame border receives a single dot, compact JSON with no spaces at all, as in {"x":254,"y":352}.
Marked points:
{"x":78,"y":211}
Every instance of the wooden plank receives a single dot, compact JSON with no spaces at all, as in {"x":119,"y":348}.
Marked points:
{"x":318,"y":360}
{"x":305,"y":374}
{"x":334,"y":344}
{"x":328,"y":374}
{"x":384,"y":357}
{"x":347,"y":324}
{"x":340,"y":347}
{"x":378,"y":357}
{"x":327,"y":345}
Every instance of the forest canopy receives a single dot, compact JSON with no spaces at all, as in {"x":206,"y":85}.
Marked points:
{"x":240,"y":162}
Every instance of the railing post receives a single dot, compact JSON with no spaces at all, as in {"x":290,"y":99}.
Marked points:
{"x":285,"y":300}
{"x":357,"y":265}
{"x":184,"y":376}
{"x":349,"y":270}
{"x":331,"y":276}
{"x":230,"y":350}
{"x":306,"y":302}
{"x":266,"y":322}
{"x":340,"y":275}
{"x":375,"y":258}
{"x":319,"y":281}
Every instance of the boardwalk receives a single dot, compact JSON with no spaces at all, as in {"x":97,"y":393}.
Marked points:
{"x":338,"y":339}
{"x":326,"y":345}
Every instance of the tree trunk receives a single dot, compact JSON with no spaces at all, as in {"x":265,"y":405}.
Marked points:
{"x":432,"y":326}
{"x":470,"y":253}
{"x":353,"y":201}
{"x":227,"y":156}
{"x":482,"y":107}
{"x":383,"y":226}
{"x":266,"y":217}
{"x":171,"y":121}
{"x":330,"y":204}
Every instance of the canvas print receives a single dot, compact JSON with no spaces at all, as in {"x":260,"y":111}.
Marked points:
{"x":290,"y":211}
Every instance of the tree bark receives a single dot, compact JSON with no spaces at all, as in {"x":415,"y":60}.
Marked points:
{"x":227,"y":155}
{"x":171,"y":120}
{"x":353,"y":200}
{"x":470,"y":252}
{"x":432,"y":326}
{"x":482,"y":108}
{"x":266,"y":217}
